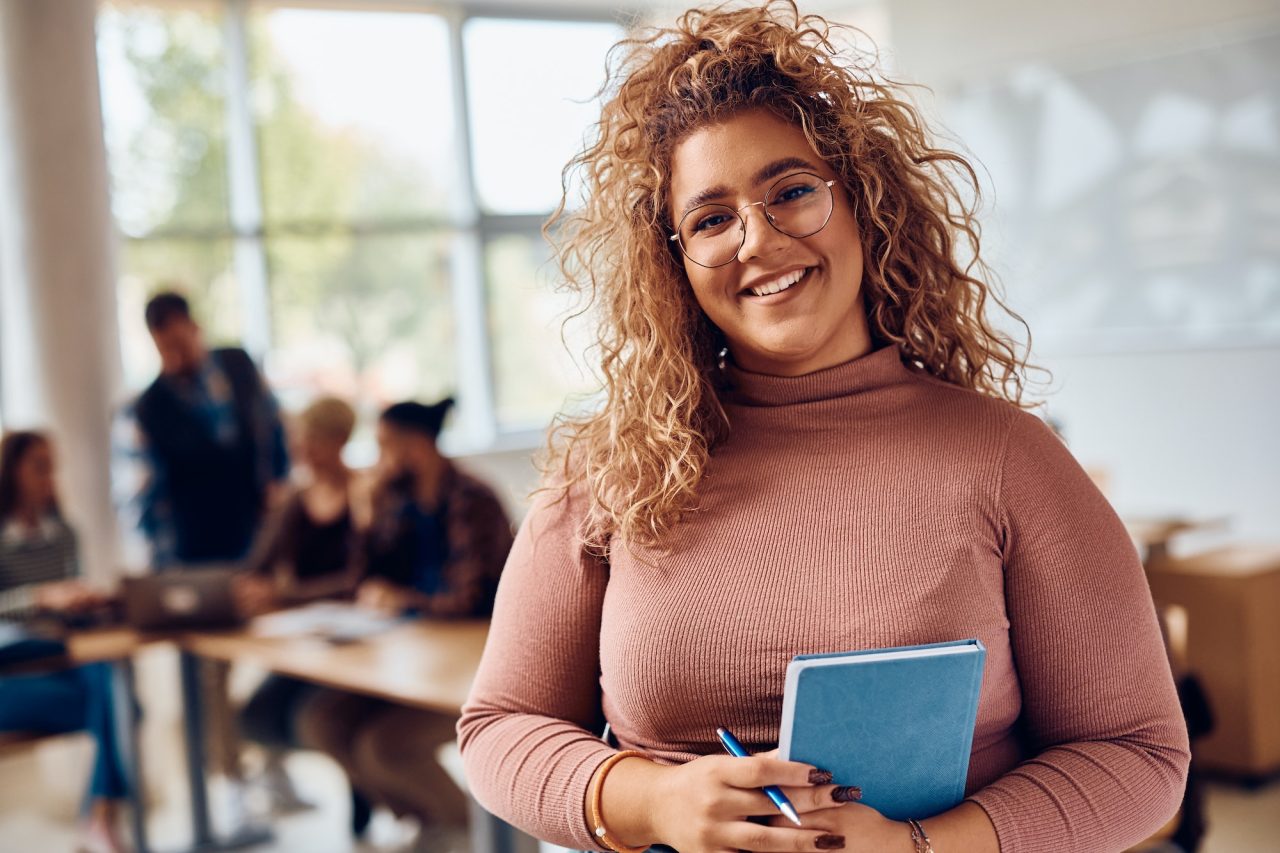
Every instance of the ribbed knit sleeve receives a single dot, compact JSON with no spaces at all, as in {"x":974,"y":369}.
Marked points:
{"x":530,"y":731}
{"x":1099,"y":711}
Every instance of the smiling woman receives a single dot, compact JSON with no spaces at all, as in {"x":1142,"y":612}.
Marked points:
{"x":689,"y":104}
{"x":810,"y":440}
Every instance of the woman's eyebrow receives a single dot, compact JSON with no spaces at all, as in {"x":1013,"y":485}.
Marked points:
{"x":767,"y":172}
{"x":779,"y":167}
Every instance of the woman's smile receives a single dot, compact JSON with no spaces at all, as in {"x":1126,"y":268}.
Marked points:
{"x":769,"y":285}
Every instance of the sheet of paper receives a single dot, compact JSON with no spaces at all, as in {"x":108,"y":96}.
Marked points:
{"x":330,"y":620}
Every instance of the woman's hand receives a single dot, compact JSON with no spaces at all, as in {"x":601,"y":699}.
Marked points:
{"x":705,"y":805}
{"x":383,"y":597}
{"x":864,"y":828}
{"x":70,"y":596}
{"x":253,"y":594}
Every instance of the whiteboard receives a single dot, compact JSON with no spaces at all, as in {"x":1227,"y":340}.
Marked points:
{"x":1135,"y":205}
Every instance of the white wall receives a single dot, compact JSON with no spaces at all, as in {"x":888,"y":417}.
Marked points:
{"x":940,"y":42}
{"x":1180,"y":429}
{"x":511,"y":473}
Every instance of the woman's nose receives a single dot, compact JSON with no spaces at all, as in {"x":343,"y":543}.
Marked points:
{"x":761,"y":237}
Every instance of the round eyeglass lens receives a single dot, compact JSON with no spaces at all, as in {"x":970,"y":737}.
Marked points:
{"x":711,"y":235}
{"x":799,"y":205}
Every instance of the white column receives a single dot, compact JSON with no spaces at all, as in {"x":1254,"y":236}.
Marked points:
{"x":59,"y":346}
{"x":475,"y":418}
{"x":246,"y":208}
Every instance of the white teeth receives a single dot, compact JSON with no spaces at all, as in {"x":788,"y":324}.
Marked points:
{"x":779,"y":284}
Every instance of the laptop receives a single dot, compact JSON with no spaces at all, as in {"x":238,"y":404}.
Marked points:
{"x":182,"y":598}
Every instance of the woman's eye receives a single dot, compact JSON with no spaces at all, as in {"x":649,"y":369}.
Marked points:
{"x":796,"y":192}
{"x":710,"y":223}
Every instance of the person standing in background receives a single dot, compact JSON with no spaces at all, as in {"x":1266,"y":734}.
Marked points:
{"x":39,"y":569}
{"x":201,"y":456}
{"x":436,"y":547}
{"x":205,"y":443}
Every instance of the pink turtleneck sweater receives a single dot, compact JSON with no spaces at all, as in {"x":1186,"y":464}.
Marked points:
{"x":860,"y":506}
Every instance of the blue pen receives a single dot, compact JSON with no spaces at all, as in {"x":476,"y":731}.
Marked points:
{"x":773,"y":792}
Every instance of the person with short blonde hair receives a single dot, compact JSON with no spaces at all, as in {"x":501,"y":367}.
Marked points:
{"x":811,"y":438}
{"x":309,"y":550}
{"x":329,"y":417}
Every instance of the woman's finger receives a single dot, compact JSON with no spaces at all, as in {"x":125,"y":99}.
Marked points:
{"x":818,"y":797}
{"x":757,"y":772}
{"x":752,"y":802}
{"x":738,"y":803}
{"x":767,"y":839}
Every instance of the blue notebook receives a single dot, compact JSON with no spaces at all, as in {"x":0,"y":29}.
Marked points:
{"x":896,"y":722}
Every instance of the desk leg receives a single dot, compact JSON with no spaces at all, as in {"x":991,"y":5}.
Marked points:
{"x":193,"y":722}
{"x":202,"y":839}
{"x":491,"y":834}
{"x":125,"y":720}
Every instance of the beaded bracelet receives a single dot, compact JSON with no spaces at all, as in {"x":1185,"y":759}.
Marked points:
{"x":919,"y":837}
{"x":594,"y":791}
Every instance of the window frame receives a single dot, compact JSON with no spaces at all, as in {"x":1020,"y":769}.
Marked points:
{"x":475,"y":427}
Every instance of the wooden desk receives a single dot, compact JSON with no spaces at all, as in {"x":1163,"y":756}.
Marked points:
{"x":105,"y":644}
{"x":1152,"y":534}
{"x":1230,"y":598}
{"x":423,"y":664}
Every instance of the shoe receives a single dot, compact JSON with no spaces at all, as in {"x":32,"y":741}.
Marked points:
{"x":100,"y":837}
{"x":281,"y":796}
{"x":229,"y":809}
{"x":388,"y":831}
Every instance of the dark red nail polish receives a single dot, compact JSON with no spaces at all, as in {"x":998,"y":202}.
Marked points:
{"x":846,"y":794}
{"x":829,"y":842}
{"x":819,"y":777}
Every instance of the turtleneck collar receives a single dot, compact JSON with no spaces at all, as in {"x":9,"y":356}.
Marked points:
{"x":876,"y":369}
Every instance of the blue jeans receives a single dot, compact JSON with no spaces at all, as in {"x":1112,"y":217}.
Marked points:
{"x":71,"y":700}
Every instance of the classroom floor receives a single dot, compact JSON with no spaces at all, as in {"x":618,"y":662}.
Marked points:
{"x":38,"y":805}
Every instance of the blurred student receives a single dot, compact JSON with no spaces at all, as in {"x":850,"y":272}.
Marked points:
{"x":207,"y":445}
{"x":39,"y":568}
{"x":202,"y":452}
{"x":436,"y":547}
{"x":309,"y":551}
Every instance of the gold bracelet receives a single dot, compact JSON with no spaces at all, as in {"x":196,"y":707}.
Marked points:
{"x":594,"y":792}
{"x":919,"y":837}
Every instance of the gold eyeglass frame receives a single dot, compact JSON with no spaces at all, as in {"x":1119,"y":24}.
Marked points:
{"x":742,"y":222}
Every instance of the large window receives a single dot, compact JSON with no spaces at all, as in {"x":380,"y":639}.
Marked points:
{"x":354,"y":194}
{"x":526,"y":126}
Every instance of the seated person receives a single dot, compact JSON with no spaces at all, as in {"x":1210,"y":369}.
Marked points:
{"x":308,"y":551}
{"x":436,"y":546}
{"x":38,"y":568}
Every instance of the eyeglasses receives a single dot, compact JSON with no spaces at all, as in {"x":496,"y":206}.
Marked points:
{"x":798,"y":205}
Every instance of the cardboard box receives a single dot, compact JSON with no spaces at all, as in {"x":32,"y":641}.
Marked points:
{"x":1231,"y":600}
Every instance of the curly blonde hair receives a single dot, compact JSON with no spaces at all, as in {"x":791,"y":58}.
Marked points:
{"x":641,"y":455}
